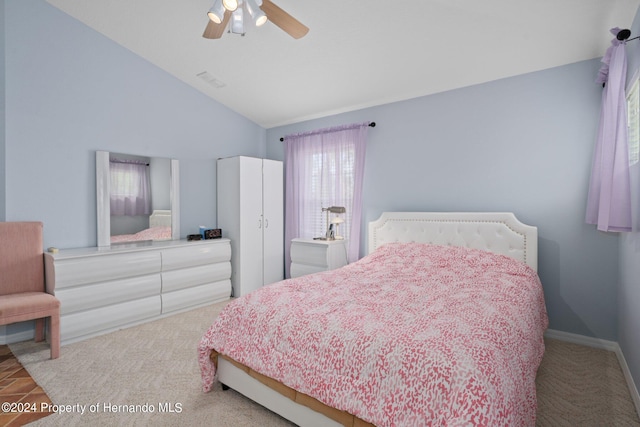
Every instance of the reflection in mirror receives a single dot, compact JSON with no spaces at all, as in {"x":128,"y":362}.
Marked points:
{"x":137,"y":198}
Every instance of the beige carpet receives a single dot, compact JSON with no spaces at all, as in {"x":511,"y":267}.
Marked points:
{"x":156,"y":364}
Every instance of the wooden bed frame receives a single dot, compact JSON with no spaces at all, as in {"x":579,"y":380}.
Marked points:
{"x":498,"y":232}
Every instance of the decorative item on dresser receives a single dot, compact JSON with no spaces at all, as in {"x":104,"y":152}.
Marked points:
{"x":314,"y":255}
{"x":104,"y":289}
{"x":250,"y":213}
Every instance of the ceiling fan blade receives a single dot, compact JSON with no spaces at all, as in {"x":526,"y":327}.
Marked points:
{"x":215,"y":31}
{"x":282,"y":19}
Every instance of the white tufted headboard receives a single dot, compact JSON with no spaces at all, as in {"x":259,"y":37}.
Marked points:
{"x":499,"y":232}
{"x":160,"y":218}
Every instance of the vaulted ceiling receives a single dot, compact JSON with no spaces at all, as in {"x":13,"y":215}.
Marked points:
{"x":357,"y":53}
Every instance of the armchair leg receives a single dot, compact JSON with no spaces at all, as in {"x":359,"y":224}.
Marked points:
{"x":54,"y":335}
{"x":40,"y":326}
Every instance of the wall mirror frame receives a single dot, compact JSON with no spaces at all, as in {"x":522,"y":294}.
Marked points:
{"x":103,"y":204}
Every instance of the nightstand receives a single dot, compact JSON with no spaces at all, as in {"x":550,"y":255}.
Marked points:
{"x":311,"y":256}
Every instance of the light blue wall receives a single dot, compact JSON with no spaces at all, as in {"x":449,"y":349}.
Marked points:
{"x":629,"y":298}
{"x":522,"y":144}
{"x":2,"y":112}
{"x":71,"y":91}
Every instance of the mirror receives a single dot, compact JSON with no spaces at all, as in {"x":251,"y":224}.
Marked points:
{"x":160,"y":220}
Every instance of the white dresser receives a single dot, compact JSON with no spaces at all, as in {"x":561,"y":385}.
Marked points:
{"x":109,"y":288}
{"x":311,"y":256}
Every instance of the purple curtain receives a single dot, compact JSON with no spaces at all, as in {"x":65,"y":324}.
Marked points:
{"x":130,"y":192}
{"x":324,"y":168}
{"x":609,"y":200}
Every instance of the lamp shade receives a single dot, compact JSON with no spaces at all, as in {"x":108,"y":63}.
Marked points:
{"x":261,"y":19}
{"x":258,"y":16}
{"x":230,"y":5}
{"x":335,"y":209}
{"x":216,"y":13}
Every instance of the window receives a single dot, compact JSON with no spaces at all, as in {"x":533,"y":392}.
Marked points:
{"x":325,"y":168}
{"x":633,"y":140}
{"x":332,"y":180}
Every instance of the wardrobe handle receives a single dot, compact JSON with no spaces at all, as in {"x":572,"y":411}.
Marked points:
{"x":266,"y":223}
{"x":260,"y":223}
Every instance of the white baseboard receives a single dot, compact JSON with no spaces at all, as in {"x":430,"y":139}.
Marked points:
{"x":635,"y":396}
{"x":605,"y":345}
{"x":582,"y":340}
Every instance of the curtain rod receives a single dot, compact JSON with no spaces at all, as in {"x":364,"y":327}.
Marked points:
{"x":625,"y":34}
{"x":372,"y":124}
{"x":130,"y":161}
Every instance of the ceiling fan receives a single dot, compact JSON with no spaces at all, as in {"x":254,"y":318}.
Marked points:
{"x":256,"y":12}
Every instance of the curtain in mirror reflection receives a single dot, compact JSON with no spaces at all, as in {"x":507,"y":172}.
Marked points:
{"x":130,"y":188}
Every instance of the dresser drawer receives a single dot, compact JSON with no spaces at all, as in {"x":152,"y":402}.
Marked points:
{"x":196,"y":296}
{"x":312,"y":256}
{"x":309,"y":254}
{"x":191,"y":256}
{"x":194,"y":276}
{"x":92,"y":269}
{"x":83,"y":298}
{"x":109,"y":318}
{"x":298,"y":270}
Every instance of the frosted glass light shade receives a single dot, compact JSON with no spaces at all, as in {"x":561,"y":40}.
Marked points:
{"x":230,"y":5}
{"x":216,"y":13}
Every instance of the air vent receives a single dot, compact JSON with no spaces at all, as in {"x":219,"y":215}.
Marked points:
{"x":211,"y":79}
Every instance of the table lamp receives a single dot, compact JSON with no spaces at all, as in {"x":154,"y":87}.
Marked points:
{"x":331,"y":228}
{"x":335,"y":222}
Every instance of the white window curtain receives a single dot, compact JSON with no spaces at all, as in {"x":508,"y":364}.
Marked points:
{"x":609,"y":198}
{"x":324,"y":168}
{"x":130,"y":192}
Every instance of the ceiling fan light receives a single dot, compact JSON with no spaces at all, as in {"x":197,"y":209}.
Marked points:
{"x":237,"y":21}
{"x":230,"y":5}
{"x":261,"y":20}
{"x":216,"y":13}
{"x":258,"y":16}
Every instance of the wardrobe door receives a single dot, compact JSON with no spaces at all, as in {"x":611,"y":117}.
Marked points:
{"x":273,"y":212}
{"x":251,"y":226}
{"x":228,"y":201}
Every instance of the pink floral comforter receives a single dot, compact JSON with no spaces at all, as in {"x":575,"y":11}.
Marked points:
{"x":153,"y":233}
{"x":410,"y":335}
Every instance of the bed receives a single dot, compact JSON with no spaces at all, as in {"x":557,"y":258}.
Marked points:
{"x":159,"y":229}
{"x":441,"y":323}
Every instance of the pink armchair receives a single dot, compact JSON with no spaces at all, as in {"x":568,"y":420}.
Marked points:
{"x":23,"y":295}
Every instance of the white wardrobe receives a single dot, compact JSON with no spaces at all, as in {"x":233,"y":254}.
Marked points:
{"x":250,"y":204}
